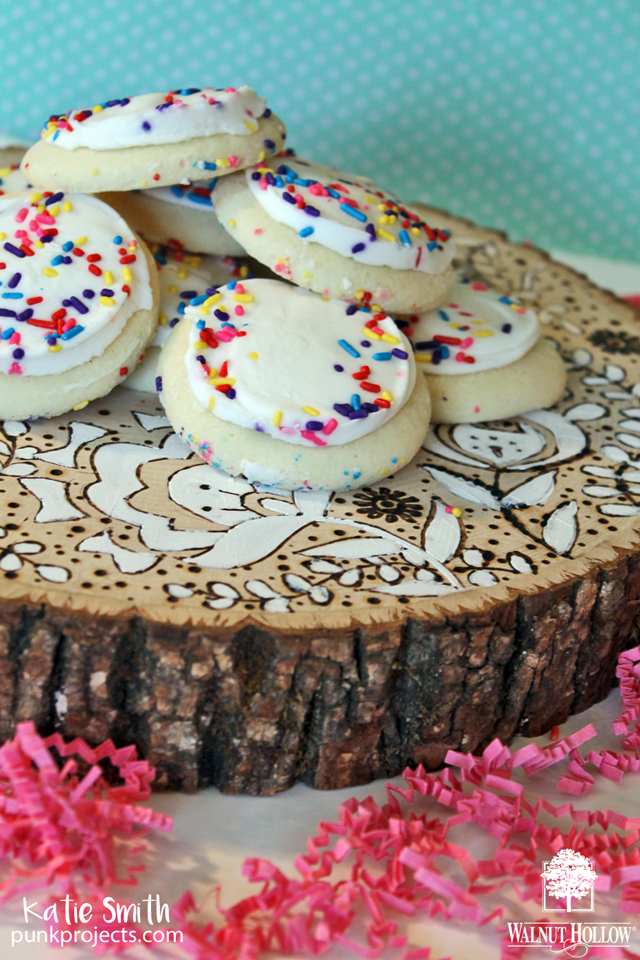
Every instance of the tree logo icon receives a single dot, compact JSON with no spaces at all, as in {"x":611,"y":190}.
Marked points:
{"x":571,"y":876}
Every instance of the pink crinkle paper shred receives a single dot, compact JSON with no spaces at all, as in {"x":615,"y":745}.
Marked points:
{"x":59,"y":826}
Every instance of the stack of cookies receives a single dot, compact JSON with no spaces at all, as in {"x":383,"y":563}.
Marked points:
{"x":309,"y":377}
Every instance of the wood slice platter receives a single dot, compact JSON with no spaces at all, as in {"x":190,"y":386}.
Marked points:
{"x":248,"y":638}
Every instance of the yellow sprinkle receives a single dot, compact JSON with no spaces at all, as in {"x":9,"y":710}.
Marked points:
{"x":415,"y":231}
{"x":277,"y":418}
{"x":477,"y":323}
{"x":383,"y":207}
{"x":231,"y":223}
{"x":457,"y":512}
{"x":423,"y":357}
{"x":388,"y":338}
{"x":326,"y":299}
{"x":173,"y":288}
{"x":376,"y":308}
{"x":370,"y":334}
{"x":82,"y":405}
{"x":54,"y":210}
{"x":67,"y":207}
{"x":254,"y":356}
{"x":126,"y":273}
{"x":143,"y":183}
{"x":39,"y":244}
{"x":371,"y":199}
{"x":216,"y":381}
{"x":223,"y":162}
{"x":80,"y":242}
{"x":261,"y":155}
{"x":386,"y":396}
{"x":194,"y":260}
{"x":384,"y":219}
{"x":200,"y":345}
{"x":50,"y":272}
{"x":55,"y":349}
{"x":183,"y":273}
{"x":3,"y":236}
{"x":483,"y":333}
{"x":35,"y":197}
{"x":307,"y":275}
{"x":244,"y":271}
{"x":5,"y":173}
{"x":42,"y":208}
{"x":359,"y":294}
{"x":212,"y":402}
{"x":108,"y":277}
{"x":243,"y":297}
{"x":94,"y":171}
{"x":312,"y":411}
{"x":250,"y":126}
{"x":162,"y":320}
{"x":385,"y":235}
{"x":212,"y":299}
{"x":107,"y":301}
{"x":98,"y":109}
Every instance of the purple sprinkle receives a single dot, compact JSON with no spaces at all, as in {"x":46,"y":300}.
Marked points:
{"x":255,"y":176}
{"x":506,"y":327}
{"x":146,"y":125}
{"x":267,"y":113}
{"x":46,"y":238}
{"x":105,"y":292}
{"x":18,"y":353}
{"x":400,"y":354}
{"x":358,"y":414}
{"x":370,"y":407}
{"x":14,"y":250}
{"x":358,"y":248}
{"x":173,"y":322}
{"x":221,"y":315}
{"x":314,"y":425}
{"x":7,"y":313}
{"x":344,"y":409}
{"x":371,"y":230}
{"x":15,"y":280}
{"x":231,"y":396}
{"x":428,"y":345}
{"x":188,"y":294}
{"x":113,"y":103}
{"x":25,"y":315}
{"x":210,"y":291}
{"x":338,"y":368}
{"x":66,"y":259}
{"x":200,"y":358}
{"x":436,"y":358}
{"x":269,"y":144}
{"x":53,"y":199}
{"x":312,"y":211}
{"x":89,"y":294}
{"x":365,"y":343}
{"x":351,"y":309}
{"x":159,"y":384}
{"x":78,"y":304}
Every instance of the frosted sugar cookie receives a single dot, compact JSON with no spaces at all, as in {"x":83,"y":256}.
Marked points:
{"x":181,"y":212}
{"x":155,"y":139}
{"x":337,"y":234}
{"x":484,"y":357}
{"x":78,"y":302}
{"x":270,"y":382}
{"x":182,"y":277}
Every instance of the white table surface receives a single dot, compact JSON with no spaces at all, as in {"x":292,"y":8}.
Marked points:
{"x":213,"y":833}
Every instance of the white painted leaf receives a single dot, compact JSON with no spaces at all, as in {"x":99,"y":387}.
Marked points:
{"x":251,"y":541}
{"x":633,"y":425}
{"x":210,"y":494}
{"x":54,"y":573}
{"x":388,"y":573}
{"x":222,"y":604}
{"x":629,"y":440}
{"x":463,"y":488}
{"x":318,"y":594}
{"x":581,"y":358}
{"x":10,"y":562}
{"x":4,"y":449}
{"x":425,"y":575}
{"x":634,"y":488}
{"x":416,"y":588}
{"x":620,"y":509}
{"x":441,"y":537}
{"x":25,"y":453}
{"x":607,"y":472}
{"x":616,"y":395}
{"x":500,"y":447}
{"x":28,"y":546}
{"x":435,"y":445}
{"x":585,"y":411}
{"x":614,"y":453}
{"x":14,"y":428}
{"x":614,"y":373}
{"x":482,"y":578}
{"x":473,"y":557}
{"x":149,"y":421}
{"x":312,"y":503}
{"x":569,"y":438}
{"x":224,"y":590}
{"x":54,"y":504}
{"x":271,"y":600}
{"x":128,"y":561}
{"x":635,"y":389}
{"x":633,"y":412}
{"x":412,"y":556}
{"x":324,"y":566}
{"x":3,"y":532}
{"x":79,"y":434}
{"x":354,"y":548}
{"x":520,"y":564}
{"x":595,"y":381}
{"x":178,"y":591}
{"x":277,"y":604}
{"x":351,"y":577}
{"x":561,"y":529}
{"x":632,"y":475}
{"x":535,"y":491}
{"x":20,"y":469}
{"x":595,"y":490}
{"x":283,"y":507}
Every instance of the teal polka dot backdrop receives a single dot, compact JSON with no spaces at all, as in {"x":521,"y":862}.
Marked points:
{"x":520,"y":115}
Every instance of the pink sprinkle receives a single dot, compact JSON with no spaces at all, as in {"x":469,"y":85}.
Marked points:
{"x":329,"y":427}
{"x":68,"y":325}
{"x":279,"y":267}
{"x":476,"y":409}
{"x":22,"y":214}
{"x":21,"y":233}
{"x":310,"y":435}
{"x":44,"y":218}
{"x":27,"y":241}
{"x":225,"y":335}
{"x":15,"y":368}
{"x":264,"y":183}
{"x":14,"y":338}
{"x":448,"y":509}
{"x":466,"y":343}
{"x":239,"y":310}
{"x":238,"y":288}
{"x":460,"y":357}
{"x":230,"y":90}
{"x":233,"y":161}
{"x":34,"y":226}
{"x":259,"y":230}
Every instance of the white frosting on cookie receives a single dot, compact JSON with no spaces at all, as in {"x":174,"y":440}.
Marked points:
{"x":181,"y":280}
{"x":278,"y":359}
{"x":71,"y":276}
{"x":153,"y":118}
{"x":349,"y":215}
{"x":476,"y":329}
{"x":12,"y":180}
{"x":195,"y":196}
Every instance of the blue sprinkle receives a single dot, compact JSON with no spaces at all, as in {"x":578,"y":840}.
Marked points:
{"x":356,"y":474}
{"x":231,"y":395}
{"x":355,"y":401}
{"x":176,"y":191}
{"x":400,"y":354}
{"x":146,"y":125}
{"x":306,"y":232}
{"x":269,"y":144}
{"x":231,"y":285}
{"x":356,"y":214}
{"x":72,"y":333}
{"x":347,"y":346}
{"x":200,"y":324}
{"x":267,"y":113}
{"x":46,"y":238}
{"x":67,"y":246}
{"x":105,"y":292}
{"x":394,"y":459}
{"x":444,"y":352}
{"x":333,"y":193}
{"x":181,"y":308}
{"x":7,"y":333}
{"x":303,"y":183}
{"x":196,"y":301}
{"x":117,"y":239}
{"x":159,"y":384}
{"x":197,"y":198}
{"x":405,"y":239}
{"x":506,"y":300}
{"x":18,"y":353}
{"x":381,"y":356}
{"x":444,"y":316}
{"x":188,"y":294}
{"x":12,"y":296}
{"x":432,"y":245}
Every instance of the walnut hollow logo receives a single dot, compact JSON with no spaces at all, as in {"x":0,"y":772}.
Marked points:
{"x":570,"y":877}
